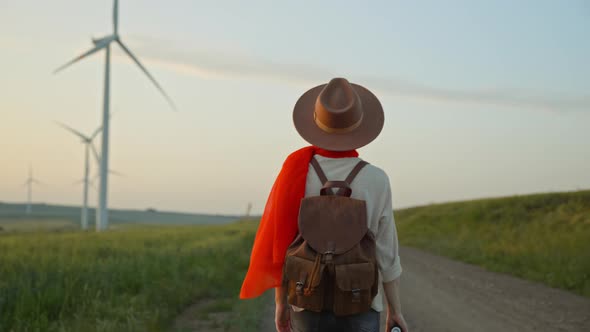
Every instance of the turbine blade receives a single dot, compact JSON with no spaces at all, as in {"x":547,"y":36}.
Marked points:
{"x":93,"y":50}
{"x":112,"y":171}
{"x":92,"y":182}
{"x":38,"y":182}
{"x":95,"y":153}
{"x":116,"y":16}
{"x":73,"y":131}
{"x":145,"y":71}
{"x":96,"y":132}
{"x":99,"y":129}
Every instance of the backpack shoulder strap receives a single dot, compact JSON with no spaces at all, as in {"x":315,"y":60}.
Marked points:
{"x":351,"y":176}
{"x":319,"y":171}
{"x":355,"y":171}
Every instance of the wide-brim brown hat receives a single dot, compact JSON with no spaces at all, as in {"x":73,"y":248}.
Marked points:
{"x":338,"y":116}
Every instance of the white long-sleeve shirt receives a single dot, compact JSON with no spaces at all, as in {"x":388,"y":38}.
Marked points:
{"x":372,"y":186}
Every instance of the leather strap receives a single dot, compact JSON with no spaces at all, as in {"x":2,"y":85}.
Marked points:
{"x":351,"y":176}
{"x":355,"y":171}
{"x":319,"y":171}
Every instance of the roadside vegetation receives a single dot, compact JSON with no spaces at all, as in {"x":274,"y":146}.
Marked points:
{"x":544,"y":237}
{"x":137,"y":278}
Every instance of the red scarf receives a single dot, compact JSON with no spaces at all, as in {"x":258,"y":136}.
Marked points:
{"x":278,"y":226}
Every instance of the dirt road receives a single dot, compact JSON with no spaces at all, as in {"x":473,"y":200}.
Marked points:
{"x":439,"y":294}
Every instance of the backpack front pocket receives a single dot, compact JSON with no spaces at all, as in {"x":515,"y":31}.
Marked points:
{"x":352,"y":290}
{"x":304,"y":282}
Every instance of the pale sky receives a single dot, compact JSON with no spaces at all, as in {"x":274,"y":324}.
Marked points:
{"x":481,"y":98}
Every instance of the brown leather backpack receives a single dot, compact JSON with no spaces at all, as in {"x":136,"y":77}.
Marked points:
{"x":331,"y":265}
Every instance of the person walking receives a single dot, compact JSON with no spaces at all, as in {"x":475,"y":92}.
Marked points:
{"x":327,"y":238}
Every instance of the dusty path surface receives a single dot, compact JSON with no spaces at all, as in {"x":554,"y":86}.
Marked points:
{"x":439,"y":294}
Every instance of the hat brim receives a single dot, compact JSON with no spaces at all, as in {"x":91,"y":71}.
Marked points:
{"x":369,"y":129}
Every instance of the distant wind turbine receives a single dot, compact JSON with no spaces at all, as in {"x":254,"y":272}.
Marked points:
{"x":99,"y":44}
{"x":248,"y":209}
{"x":29,"y":184}
{"x":88,"y":146}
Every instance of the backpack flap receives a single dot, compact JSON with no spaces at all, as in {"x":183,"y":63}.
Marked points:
{"x":332,"y":223}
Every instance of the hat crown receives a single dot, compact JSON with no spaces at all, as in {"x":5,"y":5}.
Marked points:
{"x":338,"y":107}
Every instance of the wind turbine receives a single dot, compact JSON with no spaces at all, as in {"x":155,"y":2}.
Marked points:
{"x":29,"y":184}
{"x":100,"y":44}
{"x":88,"y":146}
{"x":248,"y":210}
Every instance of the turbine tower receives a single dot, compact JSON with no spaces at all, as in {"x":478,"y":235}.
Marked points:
{"x":100,"y":44}
{"x":91,"y":184}
{"x":88,"y":146}
{"x":29,"y":184}
{"x":248,"y":210}
{"x":97,"y":190}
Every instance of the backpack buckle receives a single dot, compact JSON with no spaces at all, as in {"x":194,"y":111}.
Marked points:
{"x":299,"y":288}
{"x":328,"y":257}
{"x":356,"y":295}
{"x":329,"y":254}
{"x":299,"y":285}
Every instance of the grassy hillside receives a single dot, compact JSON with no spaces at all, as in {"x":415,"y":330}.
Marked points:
{"x":133,"y":279}
{"x":544,"y":237}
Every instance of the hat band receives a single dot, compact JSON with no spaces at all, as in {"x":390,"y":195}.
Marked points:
{"x":331,"y":130}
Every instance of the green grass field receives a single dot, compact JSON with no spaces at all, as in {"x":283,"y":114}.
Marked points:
{"x":36,"y":225}
{"x":543,"y":237}
{"x":142,"y":277}
{"x":133,"y":279}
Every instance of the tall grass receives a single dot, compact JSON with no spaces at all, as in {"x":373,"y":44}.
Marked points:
{"x":135,"y":279}
{"x":543,"y":237}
